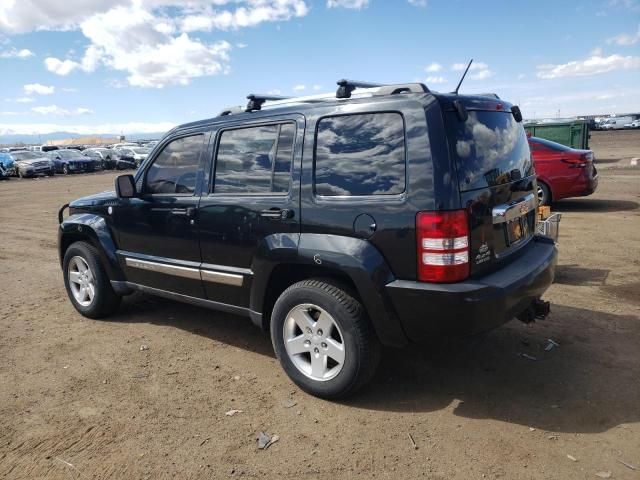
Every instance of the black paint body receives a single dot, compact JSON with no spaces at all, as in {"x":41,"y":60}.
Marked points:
{"x":322,"y":236}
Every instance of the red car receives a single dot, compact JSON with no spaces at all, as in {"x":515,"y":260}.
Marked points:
{"x":562,"y":171}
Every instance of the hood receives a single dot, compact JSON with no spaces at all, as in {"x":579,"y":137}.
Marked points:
{"x":102,"y":198}
{"x":31,"y":161}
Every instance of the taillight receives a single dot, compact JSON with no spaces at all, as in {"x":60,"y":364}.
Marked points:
{"x":443,"y":246}
{"x":578,"y":161}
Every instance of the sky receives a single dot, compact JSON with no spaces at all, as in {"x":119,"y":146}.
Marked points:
{"x":136,"y":66}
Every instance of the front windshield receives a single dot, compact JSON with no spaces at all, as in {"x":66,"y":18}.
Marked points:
{"x":25,"y":155}
{"x":70,"y":154}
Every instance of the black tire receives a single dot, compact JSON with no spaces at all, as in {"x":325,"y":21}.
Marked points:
{"x":105,"y":300}
{"x":544,"y":194}
{"x":65,"y":169}
{"x":361,"y":346}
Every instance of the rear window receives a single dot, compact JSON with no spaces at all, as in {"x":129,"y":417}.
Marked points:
{"x":360,"y":154}
{"x":490,"y":148}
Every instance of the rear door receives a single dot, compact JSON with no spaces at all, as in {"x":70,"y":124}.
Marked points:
{"x":253,"y":202}
{"x":496,"y":181}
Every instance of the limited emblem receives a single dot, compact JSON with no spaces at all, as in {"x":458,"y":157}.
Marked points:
{"x":317,"y":259}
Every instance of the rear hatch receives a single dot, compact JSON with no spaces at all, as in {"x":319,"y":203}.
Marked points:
{"x":495,"y":178}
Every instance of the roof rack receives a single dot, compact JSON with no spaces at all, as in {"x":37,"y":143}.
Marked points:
{"x":345,"y":89}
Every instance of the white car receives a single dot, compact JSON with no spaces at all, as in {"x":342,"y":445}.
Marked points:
{"x":139,"y":154}
{"x":634,"y":124}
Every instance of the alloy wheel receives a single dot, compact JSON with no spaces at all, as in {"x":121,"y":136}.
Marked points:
{"x":313,"y":341}
{"x":81,"y":281}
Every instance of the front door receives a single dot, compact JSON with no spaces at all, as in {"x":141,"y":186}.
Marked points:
{"x":253,"y":203}
{"x":158,"y":230}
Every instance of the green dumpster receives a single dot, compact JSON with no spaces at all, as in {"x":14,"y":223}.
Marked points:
{"x":573,"y":134}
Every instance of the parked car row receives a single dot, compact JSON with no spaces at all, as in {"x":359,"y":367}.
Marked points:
{"x":31,"y":163}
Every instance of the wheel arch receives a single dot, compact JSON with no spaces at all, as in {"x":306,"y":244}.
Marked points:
{"x":353,"y":264}
{"x":92,"y":229}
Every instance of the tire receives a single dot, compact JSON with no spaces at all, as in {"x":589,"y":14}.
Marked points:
{"x":351,"y":330}
{"x":104,"y":301}
{"x":65,"y":169}
{"x":544,"y":194}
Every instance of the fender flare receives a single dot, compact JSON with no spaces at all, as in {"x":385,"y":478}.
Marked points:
{"x":94,"y":229}
{"x":356,"y":258}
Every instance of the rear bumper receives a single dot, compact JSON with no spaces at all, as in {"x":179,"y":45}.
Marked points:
{"x":473,"y":306}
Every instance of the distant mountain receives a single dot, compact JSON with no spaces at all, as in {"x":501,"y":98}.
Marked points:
{"x":11,"y":139}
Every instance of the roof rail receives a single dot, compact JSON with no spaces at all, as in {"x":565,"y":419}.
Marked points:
{"x":492,"y":95}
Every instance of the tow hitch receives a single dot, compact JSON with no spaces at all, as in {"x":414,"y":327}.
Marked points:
{"x":538,"y":310}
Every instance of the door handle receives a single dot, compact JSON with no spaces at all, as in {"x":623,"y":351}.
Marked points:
{"x":184,"y":212}
{"x":277,"y":213}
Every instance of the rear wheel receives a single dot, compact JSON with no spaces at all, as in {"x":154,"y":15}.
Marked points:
{"x":87,"y":283}
{"x":544,"y":195}
{"x":323,"y":339}
{"x":65,"y":169}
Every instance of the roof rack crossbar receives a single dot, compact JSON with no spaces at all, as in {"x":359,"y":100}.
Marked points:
{"x":346,"y":87}
{"x":402,"y":88}
{"x":257,"y":100}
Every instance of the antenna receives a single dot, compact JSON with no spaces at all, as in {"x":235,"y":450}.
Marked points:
{"x":463,"y":75}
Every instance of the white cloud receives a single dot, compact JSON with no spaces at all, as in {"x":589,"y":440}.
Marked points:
{"x":38,"y":89}
{"x":148,"y":40}
{"x":433,"y":80}
{"x":478,"y":70}
{"x":55,"y":110}
{"x":24,"y":100}
{"x":522,"y":76}
{"x":626,"y":39}
{"x":275,"y":91}
{"x":60,"y":67}
{"x":317,"y":88}
{"x":418,"y":3}
{"x":15,"y":53}
{"x":241,"y":45}
{"x":209,"y":18}
{"x":353,"y":4}
{"x":107,"y":128}
{"x":593,"y":65}
{"x":299,"y":88}
{"x":433,"y":67}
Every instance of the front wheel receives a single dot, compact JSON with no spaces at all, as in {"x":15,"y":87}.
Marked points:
{"x":87,"y":283}
{"x":65,"y":169}
{"x":323,"y":339}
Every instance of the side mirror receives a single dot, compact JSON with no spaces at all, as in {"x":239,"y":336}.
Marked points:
{"x":125,"y":186}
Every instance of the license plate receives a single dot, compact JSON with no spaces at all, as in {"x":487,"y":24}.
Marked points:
{"x":516,"y":230}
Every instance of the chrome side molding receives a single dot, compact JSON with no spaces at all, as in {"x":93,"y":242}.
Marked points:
{"x":186,"y":272}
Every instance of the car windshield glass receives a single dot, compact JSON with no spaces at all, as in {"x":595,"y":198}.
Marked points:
{"x":141,"y":151}
{"x":490,"y":148}
{"x":71,"y":154}
{"x":549,"y":144}
{"x":25,"y":155}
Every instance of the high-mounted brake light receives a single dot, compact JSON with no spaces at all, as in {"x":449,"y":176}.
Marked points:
{"x":442,"y":246}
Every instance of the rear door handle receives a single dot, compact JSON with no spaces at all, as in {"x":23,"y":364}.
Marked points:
{"x":277,"y":213}
{"x":184,"y":212}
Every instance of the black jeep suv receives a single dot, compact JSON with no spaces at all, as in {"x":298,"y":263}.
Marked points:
{"x":382,"y":215}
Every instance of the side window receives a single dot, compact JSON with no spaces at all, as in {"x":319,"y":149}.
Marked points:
{"x":255,"y":159}
{"x":175,"y":168}
{"x":360,"y":154}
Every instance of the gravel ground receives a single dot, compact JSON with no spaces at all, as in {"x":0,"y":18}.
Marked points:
{"x":81,"y":399}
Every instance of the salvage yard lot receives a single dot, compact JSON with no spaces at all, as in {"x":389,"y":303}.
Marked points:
{"x":144,"y":394}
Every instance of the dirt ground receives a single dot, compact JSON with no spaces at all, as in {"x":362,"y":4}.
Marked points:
{"x":79,"y":399}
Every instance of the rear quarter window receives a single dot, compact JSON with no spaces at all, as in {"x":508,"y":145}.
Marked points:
{"x":490,"y":148}
{"x":360,"y":154}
